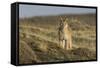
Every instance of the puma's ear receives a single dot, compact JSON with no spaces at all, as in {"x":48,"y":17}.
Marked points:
{"x":61,"y":19}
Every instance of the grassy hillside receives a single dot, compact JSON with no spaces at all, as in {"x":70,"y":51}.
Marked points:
{"x":39,"y":39}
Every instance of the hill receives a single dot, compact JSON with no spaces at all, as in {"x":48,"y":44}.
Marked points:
{"x":39,"y":39}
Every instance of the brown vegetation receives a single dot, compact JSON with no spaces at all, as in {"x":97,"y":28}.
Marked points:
{"x":39,"y":39}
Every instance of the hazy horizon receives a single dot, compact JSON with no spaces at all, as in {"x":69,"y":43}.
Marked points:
{"x":39,"y":10}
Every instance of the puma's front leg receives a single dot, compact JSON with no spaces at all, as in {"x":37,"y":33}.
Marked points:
{"x":66,"y":44}
{"x":63,"y":44}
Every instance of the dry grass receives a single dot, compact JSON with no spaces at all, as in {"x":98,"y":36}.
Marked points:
{"x":39,"y":39}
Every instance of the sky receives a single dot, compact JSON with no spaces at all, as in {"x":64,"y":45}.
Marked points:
{"x":37,"y":10}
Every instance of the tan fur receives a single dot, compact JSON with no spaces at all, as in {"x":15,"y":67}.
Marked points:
{"x":65,"y":35}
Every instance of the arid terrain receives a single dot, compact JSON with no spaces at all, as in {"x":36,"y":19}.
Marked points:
{"x":39,"y":39}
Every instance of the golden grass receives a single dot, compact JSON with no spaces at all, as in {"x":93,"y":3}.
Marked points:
{"x":39,"y":41}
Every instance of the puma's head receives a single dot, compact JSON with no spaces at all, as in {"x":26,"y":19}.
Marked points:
{"x":64,"y":24}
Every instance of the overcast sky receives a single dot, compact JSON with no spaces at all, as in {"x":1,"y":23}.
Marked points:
{"x":37,"y":10}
